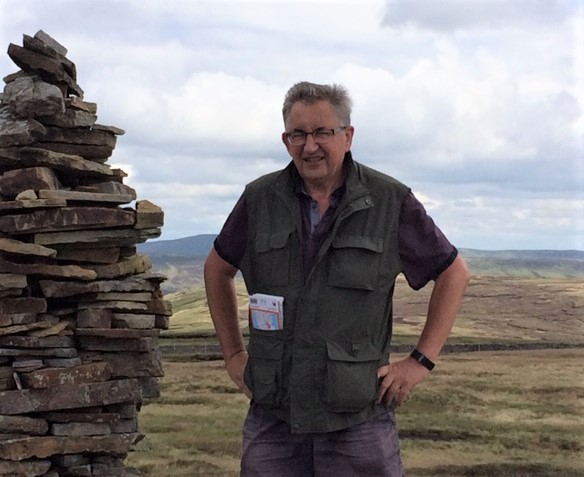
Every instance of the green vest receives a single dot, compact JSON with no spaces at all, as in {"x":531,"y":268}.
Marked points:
{"x":319,"y":373}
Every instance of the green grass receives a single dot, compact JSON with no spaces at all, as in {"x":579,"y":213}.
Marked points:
{"x":191,"y":312}
{"x":194,"y":428}
{"x":486,"y":414}
{"x":494,"y":310}
{"x":505,"y":414}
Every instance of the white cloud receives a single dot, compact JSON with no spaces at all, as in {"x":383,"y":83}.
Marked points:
{"x":478,"y":105}
{"x":177,"y":190}
{"x":447,"y":15}
{"x":479,"y":222}
{"x":216,"y":107}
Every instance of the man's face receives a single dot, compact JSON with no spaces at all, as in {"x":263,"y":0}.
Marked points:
{"x":320,"y":165}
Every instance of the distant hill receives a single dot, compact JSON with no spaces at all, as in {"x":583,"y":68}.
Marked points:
{"x":181,"y":260}
{"x":526,"y":263}
{"x":200,"y":245}
{"x":188,"y":247}
{"x":524,"y":254}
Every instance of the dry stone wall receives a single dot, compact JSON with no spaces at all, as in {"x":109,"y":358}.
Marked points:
{"x":80,"y":310}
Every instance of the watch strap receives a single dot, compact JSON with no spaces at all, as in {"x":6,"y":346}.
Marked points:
{"x":422,"y":359}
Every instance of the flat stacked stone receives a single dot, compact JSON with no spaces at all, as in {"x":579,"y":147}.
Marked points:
{"x":80,"y":310}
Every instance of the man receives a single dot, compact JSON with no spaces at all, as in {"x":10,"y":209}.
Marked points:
{"x":328,"y":236}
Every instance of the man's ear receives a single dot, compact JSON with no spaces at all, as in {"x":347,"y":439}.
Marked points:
{"x":348,"y":132}
{"x":286,"y":143}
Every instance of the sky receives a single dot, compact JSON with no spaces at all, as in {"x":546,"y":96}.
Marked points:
{"x":477,"y":105}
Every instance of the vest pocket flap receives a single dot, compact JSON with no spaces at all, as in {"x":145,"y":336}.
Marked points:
{"x":350,"y":384}
{"x":271,"y":260}
{"x":355,"y":262}
{"x":373,"y":244}
{"x":359,"y":352}
{"x":266,"y":347}
{"x":275,"y":241}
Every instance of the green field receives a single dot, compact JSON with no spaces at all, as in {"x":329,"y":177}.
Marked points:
{"x":494,"y":309}
{"x":512,"y":414}
{"x":482,"y":414}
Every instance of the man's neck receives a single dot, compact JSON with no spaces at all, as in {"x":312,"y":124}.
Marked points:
{"x":321,"y":192}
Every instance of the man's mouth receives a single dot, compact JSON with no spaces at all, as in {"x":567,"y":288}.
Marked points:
{"x":312,"y":159}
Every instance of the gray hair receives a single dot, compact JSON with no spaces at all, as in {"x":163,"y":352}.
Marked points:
{"x":310,"y":93}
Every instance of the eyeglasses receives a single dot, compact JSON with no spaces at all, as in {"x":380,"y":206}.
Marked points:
{"x":320,"y":135}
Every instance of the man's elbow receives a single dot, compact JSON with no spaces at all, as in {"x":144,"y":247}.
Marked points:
{"x":211,"y":266}
{"x":460,"y":271}
{"x":215,"y":267}
{"x":457,"y":273}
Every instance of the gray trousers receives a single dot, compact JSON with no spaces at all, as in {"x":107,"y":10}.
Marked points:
{"x":271,"y":450}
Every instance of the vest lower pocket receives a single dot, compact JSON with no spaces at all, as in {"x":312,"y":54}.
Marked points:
{"x":351,"y":376}
{"x":263,"y":373}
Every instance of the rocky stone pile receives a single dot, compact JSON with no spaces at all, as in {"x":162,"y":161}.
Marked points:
{"x":80,"y":310}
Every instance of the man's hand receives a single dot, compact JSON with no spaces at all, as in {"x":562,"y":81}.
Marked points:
{"x":235,"y":368}
{"x":398,"y":379}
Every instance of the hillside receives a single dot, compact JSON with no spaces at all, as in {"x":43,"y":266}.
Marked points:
{"x":187,"y":247}
{"x":502,"y":310}
{"x":181,"y":260}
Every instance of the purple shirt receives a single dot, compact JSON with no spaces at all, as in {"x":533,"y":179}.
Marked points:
{"x":423,"y":249}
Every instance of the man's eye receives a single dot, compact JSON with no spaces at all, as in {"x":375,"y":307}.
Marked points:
{"x":323,"y":134}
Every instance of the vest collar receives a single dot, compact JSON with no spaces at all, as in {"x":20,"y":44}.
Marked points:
{"x":289,"y":182}
{"x":357,"y":193}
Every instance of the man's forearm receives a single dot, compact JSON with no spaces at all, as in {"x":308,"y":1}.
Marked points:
{"x":222,"y":300}
{"x":443,"y":307}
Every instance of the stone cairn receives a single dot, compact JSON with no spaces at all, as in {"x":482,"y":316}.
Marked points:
{"x":80,"y":310}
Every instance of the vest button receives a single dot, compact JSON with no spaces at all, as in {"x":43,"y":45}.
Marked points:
{"x":367,"y":201}
{"x":296,"y":426}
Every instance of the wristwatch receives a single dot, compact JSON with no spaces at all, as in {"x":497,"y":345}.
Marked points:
{"x":422,"y":359}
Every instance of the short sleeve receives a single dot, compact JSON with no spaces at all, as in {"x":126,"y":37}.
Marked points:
{"x":231,"y":242}
{"x":424,"y":250}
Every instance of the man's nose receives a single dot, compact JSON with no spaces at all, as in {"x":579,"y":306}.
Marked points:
{"x":310,"y":144}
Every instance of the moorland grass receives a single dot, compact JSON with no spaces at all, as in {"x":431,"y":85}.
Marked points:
{"x":487,"y":414}
{"x":494,"y":309}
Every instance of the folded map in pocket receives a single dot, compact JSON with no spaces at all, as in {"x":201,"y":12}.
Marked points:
{"x":266,"y":312}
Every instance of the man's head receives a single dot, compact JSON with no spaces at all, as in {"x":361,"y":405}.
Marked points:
{"x":318,"y":132}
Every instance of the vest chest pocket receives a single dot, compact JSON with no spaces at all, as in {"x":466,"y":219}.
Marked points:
{"x":355,"y":262}
{"x":273,"y":257}
{"x":263,"y":373}
{"x":351,"y":376}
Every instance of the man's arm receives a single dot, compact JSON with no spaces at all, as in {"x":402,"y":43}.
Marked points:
{"x":400,"y":377}
{"x":222,"y":300}
{"x":443,"y":307}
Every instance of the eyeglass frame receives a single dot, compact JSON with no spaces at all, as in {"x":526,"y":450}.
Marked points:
{"x":333,"y":132}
